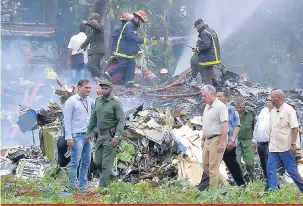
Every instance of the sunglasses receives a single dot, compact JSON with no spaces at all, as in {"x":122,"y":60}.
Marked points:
{"x":268,"y":100}
{"x":105,"y":88}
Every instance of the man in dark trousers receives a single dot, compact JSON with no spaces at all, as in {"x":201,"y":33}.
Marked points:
{"x":230,"y":157}
{"x":208,"y":50}
{"x":95,"y":40}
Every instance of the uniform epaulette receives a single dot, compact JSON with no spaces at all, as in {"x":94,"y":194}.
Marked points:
{"x":250,"y":109}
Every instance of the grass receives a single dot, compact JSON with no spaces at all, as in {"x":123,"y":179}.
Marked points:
{"x":47,"y":190}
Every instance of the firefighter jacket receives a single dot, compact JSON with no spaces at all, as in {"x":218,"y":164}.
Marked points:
{"x":128,"y":41}
{"x":115,"y":37}
{"x":208,"y":47}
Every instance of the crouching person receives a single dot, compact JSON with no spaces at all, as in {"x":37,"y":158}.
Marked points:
{"x":77,"y":112}
{"x":108,"y":116}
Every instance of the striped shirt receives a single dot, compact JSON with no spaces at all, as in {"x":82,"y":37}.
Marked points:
{"x":282,"y":120}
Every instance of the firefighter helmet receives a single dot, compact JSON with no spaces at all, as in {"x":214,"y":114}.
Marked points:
{"x":163,"y":71}
{"x":141,"y":14}
{"x":126,"y":16}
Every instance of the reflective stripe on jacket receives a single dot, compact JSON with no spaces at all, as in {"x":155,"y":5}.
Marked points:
{"x":209,"y":47}
{"x":128,"y":41}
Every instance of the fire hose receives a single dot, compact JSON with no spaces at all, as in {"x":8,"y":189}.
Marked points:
{"x":176,"y":83}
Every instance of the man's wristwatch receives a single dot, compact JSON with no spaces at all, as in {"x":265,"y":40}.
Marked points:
{"x":293,"y":145}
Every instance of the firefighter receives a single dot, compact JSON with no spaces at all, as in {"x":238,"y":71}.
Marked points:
{"x":208,"y":50}
{"x":128,"y":47}
{"x":125,"y":17}
{"x":163,"y":76}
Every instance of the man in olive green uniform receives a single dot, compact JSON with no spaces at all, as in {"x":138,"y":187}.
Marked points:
{"x":108,"y":116}
{"x":244,"y":148}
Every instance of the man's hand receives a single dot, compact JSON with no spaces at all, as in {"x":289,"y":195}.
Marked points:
{"x":146,"y":41}
{"x":293,"y":149}
{"x":70,"y":142}
{"x":84,"y":22}
{"x":197,"y":50}
{"x":254,"y":145}
{"x":230,"y":145}
{"x":115,"y":142}
{"x":221,"y":147}
{"x":89,"y":138}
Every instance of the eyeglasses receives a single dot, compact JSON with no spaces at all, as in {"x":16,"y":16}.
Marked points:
{"x":268,"y":100}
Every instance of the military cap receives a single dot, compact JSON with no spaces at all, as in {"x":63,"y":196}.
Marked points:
{"x":94,"y":16}
{"x":106,"y":83}
{"x":197,"y":22}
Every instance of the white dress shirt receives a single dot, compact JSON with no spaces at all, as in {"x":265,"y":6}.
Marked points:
{"x":262,"y":127}
{"x":75,"y":43}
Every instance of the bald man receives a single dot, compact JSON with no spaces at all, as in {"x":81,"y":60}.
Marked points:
{"x":282,"y":141}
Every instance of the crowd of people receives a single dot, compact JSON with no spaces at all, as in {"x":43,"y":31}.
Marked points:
{"x":232,"y":134}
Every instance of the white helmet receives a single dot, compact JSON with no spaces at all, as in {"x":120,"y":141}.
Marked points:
{"x":163,"y":71}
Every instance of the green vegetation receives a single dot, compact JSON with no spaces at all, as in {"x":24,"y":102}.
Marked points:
{"x":47,"y":190}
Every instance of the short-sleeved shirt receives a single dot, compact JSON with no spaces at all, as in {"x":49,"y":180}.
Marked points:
{"x":233,"y":121}
{"x":248,"y":120}
{"x":75,"y":43}
{"x":213,"y":117}
{"x":282,"y":120}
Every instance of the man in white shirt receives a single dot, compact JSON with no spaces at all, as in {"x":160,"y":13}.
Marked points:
{"x":76,"y":58}
{"x":261,"y":136}
{"x":282,"y":141}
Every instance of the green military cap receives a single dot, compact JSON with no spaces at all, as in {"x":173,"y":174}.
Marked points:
{"x":106,"y":83}
{"x":94,"y":16}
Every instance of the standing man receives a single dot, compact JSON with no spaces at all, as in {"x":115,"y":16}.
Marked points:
{"x":282,"y":141}
{"x":95,"y":40}
{"x":261,"y":136}
{"x":128,"y":47}
{"x":77,"y":60}
{"x":230,"y":157}
{"x":244,"y":148}
{"x":215,"y":126}
{"x":77,"y":112}
{"x":208,"y":52}
{"x":108,"y":116}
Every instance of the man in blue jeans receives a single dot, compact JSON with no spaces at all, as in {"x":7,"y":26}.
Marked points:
{"x":282,"y":141}
{"x":77,"y":112}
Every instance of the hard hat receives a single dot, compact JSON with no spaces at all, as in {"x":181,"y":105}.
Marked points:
{"x":141,"y":14}
{"x":52,"y":75}
{"x":126,"y":16}
{"x":149,"y":75}
{"x":138,"y":71}
{"x":163,"y":71}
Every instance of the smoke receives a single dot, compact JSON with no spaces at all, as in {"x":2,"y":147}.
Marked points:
{"x":223,"y":16}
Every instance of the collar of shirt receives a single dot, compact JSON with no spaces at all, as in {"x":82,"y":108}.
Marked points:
{"x":281,"y":107}
{"x":214,"y":103}
{"x":107,"y":99}
{"x":80,"y":98}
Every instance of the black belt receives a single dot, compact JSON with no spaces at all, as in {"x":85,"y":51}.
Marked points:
{"x":216,"y":135}
{"x":77,"y":134}
{"x":263,"y":143}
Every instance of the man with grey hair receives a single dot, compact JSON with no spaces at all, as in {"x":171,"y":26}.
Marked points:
{"x":214,"y":141}
{"x":244,"y":149}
